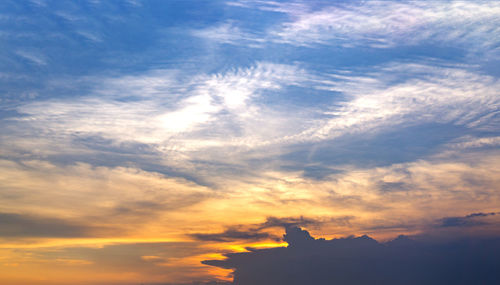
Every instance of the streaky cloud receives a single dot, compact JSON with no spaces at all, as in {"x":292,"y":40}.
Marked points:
{"x":13,"y":225}
{"x":383,"y":24}
{"x":466,"y":221}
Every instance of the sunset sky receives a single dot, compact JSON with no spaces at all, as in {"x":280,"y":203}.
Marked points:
{"x":140,"y":138}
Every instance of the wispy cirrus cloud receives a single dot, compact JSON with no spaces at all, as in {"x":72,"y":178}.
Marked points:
{"x":196,"y":119}
{"x":229,"y":33}
{"x":127,"y":128}
{"x":33,"y":57}
{"x":426,"y":93}
{"x":388,"y":23}
{"x":155,"y":109}
{"x":378,"y":24}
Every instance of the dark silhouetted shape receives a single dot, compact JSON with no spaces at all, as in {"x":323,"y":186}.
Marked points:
{"x":469,"y":220}
{"x":232,"y":234}
{"x":255,"y":232}
{"x":363,"y":260}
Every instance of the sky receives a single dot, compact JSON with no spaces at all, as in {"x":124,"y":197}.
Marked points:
{"x":158,"y":142}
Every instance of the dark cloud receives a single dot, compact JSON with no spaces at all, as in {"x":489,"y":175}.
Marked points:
{"x":17,"y":225}
{"x":363,"y":260}
{"x":232,"y":234}
{"x":272,"y":222}
{"x":194,"y":283}
{"x":257,"y":231}
{"x":473,"y":219}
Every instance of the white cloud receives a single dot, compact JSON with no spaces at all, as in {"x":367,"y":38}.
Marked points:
{"x":429,"y":94}
{"x":222,"y":109}
{"x":158,"y":109}
{"x":384,"y":23}
{"x":273,"y":6}
{"x":228,"y":33}
{"x":470,"y":142}
{"x":223,"y":118}
{"x":94,"y":37}
{"x":387,"y":23}
{"x":34,"y":57}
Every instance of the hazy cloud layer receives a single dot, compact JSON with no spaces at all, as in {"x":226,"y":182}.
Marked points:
{"x":16,"y":225}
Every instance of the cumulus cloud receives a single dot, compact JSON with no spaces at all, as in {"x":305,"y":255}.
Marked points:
{"x":363,"y":260}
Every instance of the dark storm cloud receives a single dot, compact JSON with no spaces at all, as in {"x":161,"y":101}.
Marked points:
{"x":363,"y":260}
{"x":18,"y":225}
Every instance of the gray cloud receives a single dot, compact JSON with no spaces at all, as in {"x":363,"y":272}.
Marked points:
{"x":19,"y":225}
{"x":256,"y":231}
{"x":233,"y":234}
{"x":286,"y":222}
{"x":473,"y":219}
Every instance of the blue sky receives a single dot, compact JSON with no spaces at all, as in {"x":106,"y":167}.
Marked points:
{"x":382,"y":112}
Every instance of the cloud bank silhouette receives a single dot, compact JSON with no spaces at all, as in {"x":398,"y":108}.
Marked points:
{"x":363,"y":260}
